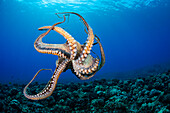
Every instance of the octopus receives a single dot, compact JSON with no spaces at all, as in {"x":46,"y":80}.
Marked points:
{"x":71,"y":55}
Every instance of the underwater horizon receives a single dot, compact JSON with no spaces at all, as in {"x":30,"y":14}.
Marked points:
{"x":133,"y":33}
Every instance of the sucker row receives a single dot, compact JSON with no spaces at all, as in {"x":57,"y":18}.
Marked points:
{"x":54,"y":51}
{"x":48,"y":90}
{"x":71,"y":41}
{"x":87,"y":47}
{"x":85,"y":70}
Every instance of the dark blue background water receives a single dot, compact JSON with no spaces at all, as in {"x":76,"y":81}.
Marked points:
{"x":133,"y":33}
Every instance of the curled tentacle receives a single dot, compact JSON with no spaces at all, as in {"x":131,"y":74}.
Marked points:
{"x":102,"y":53}
{"x":89,"y":41}
{"x":84,"y":21}
{"x":49,"y":88}
{"x":72,"y":43}
{"x":39,"y":39}
{"x":55,"y":49}
{"x":88,"y":67}
{"x":84,"y":73}
{"x":101,"y":49}
{"x":78,"y":66}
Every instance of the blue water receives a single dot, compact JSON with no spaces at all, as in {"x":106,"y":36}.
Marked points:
{"x":134,"y":34}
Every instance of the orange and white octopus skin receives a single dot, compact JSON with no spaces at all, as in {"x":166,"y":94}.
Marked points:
{"x":72,"y":55}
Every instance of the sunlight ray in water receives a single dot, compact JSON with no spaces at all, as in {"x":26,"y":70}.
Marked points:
{"x":101,"y":5}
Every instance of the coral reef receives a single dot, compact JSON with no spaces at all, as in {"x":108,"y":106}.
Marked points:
{"x":149,"y":94}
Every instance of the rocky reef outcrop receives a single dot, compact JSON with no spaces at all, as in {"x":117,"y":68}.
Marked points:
{"x":142,"y":95}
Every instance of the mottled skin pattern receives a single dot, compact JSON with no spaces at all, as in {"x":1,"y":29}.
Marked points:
{"x":72,"y":55}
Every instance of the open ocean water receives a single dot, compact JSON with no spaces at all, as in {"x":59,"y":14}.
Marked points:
{"x":135,"y":35}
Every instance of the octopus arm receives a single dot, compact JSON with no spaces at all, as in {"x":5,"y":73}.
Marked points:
{"x":89,"y":68}
{"x":86,"y":69}
{"x":71,"y":46}
{"x":89,"y":41}
{"x":55,"y":49}
{"x":102,"y":62}
{"x":49,"y":88}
